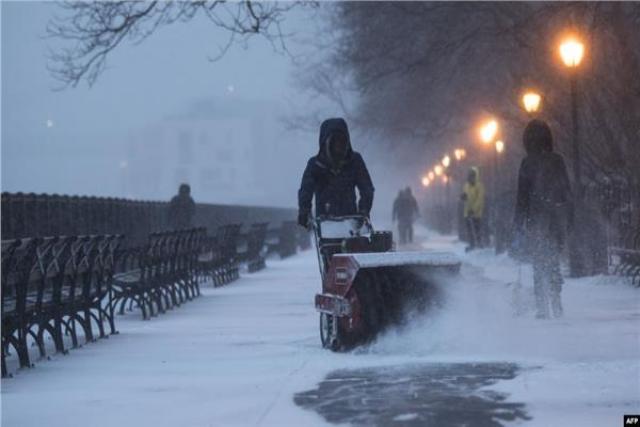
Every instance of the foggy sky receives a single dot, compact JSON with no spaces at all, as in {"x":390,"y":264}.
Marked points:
{"x":108,"y":140}
{"x":75,"y":141}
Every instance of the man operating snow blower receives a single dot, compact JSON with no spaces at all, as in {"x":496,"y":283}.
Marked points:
{"x":365,"y":284}
{"x":333,"y":175}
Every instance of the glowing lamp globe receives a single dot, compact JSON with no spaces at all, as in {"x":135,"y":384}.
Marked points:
{"x":571,"y":52}
{"x":489,"y":131}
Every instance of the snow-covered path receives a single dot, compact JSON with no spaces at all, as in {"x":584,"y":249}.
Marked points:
{"x":239,"y":354}
{"x":231,"y":357}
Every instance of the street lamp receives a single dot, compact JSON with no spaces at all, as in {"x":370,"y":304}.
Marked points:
{"x":431,"y":176}
{"x":446,"y":161}
{"x":425,"y":181}
{"x":438,"y":170}
{"x":496,"y":169}
{"x":459,"y":153}
{"x":531,"y":102}
{"x":489,"y":131}
{"x":571,"y":52}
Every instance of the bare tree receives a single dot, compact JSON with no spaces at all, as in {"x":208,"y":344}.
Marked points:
{"x":93,"y":29}
{"x":431,"y":69}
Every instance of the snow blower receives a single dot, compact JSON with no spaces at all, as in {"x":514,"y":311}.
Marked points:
{"x":366,"y":285}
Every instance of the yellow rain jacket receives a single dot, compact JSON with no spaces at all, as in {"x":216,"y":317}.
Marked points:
{"x":474,"y":200}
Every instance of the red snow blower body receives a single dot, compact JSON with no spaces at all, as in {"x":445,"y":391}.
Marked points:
{"x":366,"y":285}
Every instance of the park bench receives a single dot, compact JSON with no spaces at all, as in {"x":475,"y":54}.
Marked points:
{"x":284,"y":240}
{"x":625,"y":258}
{"x":49,"y":286}
{"x":256,"y":240}
{"x":159,"y":275}
{"x":226,"y":268}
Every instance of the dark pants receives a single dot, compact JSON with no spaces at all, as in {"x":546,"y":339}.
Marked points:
{"x":405,"y":232}
{"x":547,"y":279}
{"x":474,"y":231}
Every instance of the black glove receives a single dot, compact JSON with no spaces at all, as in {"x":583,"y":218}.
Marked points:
{"x":303,"y":219}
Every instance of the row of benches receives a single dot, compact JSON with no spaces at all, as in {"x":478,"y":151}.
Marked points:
{"x":59,"y":286}
{"x":54,"y":286}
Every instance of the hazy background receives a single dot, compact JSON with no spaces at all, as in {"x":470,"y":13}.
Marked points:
{"x":162,"y":113}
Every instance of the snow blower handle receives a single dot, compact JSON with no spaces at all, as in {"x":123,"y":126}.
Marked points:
{"x":357,"y":223}
{"x":314,"y":224}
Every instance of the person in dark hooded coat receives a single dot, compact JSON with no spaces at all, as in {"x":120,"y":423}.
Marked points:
{"x":182,"y":208}
{"x":333,"y":175}
{"x":405,"y":211}
{"x":544,"y":210}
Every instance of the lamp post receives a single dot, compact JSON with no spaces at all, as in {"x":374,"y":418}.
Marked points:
{"x":447,"y":201}
{"x":488,"y":134}
{"x":496,"y":169}
{"x":499,"y":208}
{"x":571,"y":52}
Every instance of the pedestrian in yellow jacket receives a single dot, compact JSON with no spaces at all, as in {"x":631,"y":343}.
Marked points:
{"x":473,"y":196}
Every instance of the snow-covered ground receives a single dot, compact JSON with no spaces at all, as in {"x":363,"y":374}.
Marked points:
{"x":237,"y":355}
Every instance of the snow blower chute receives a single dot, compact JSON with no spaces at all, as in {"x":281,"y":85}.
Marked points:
{"x":367,"y":286}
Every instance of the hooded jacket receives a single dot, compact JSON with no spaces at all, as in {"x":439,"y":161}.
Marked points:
{"x":544,"y":201}
{"x":405,"y":207}
{"x":334,"y":185}
{"x":474,"y":200}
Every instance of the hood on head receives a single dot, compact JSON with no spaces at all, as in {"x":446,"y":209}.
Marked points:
{"x":475,"y":171}
{"x":329,"y":127}
{"x":537,"y":137}
{"x":184,"y":190}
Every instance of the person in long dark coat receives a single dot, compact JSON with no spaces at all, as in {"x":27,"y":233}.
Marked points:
{"x":544,"y":210}
{"x":399,"y":206}
{"x":182,"y":208}
{"x":333,"y":175}
{"x":405,"y":211}
{"x":414,"y":212}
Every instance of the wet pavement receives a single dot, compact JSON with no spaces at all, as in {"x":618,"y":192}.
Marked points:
{"x":431,"y":394}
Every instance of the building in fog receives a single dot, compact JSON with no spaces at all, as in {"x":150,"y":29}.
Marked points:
{"x":226,"y":154}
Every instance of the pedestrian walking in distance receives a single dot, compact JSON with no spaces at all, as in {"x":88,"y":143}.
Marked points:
{"x":182,"y":209}
{"x":473,"y":197}
{"x":405,"y":211}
